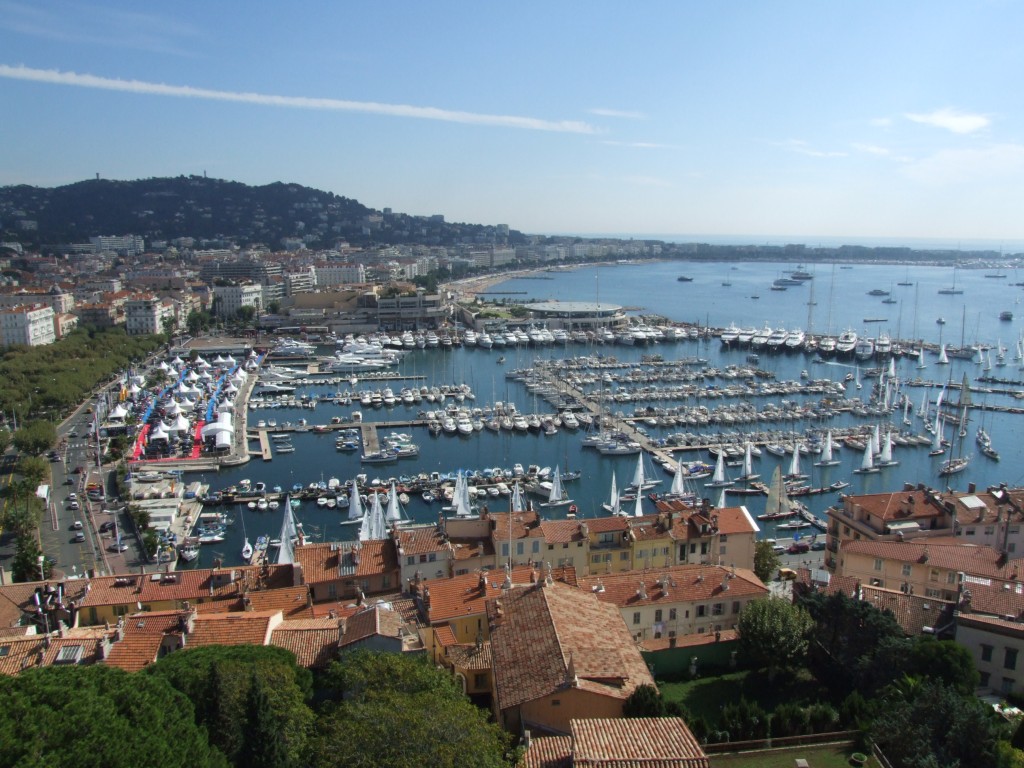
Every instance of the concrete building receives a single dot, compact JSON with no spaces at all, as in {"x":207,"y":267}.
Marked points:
{"x":30,"y":325}
{"x":228,"y":299}
{"x":339,"y":274}
{"x":148,"y":314}
{"x":418,"y":310}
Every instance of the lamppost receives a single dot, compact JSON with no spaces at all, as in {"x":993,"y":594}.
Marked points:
{"x":42,"y":567}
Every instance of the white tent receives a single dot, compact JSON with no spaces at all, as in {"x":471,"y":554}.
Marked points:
{"x":173,"y":409}
{"x":230,"y":388}
{"x":205,"y":375}
{"x":164,"y":366}
{"x":134,"y":389}
{"x":118,"y":413}
{"x":183,"y":388}
{"x":218,"y":360}
{"x":187,"y":405}
{"x":181,"y":424}
{"x":227,"y":406}
{"x":221,"y":425}
{"x":177,"y":362}
{"x":200,"y":363}
{"x":160,"y":433}
{"x":229,"y":360}
{"x":140,"y":380}
{"x":191,"y":376}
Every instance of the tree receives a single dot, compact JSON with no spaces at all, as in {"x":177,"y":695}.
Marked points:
{"x":390,"y":694}
{"x":774,"y":634}
{"x":25,"y":566}
{"x":35,"y":437}
{"x":34,"y":469}
{"x":645,"y":701}
{"x":263,"y":747}
{"x":766,"y":561}
{"x":5,"y":440}
{"x":218,"y":681}
{"x":98,"y":716}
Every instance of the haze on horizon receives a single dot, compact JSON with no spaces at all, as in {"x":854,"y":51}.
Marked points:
{"x":755,"y":121}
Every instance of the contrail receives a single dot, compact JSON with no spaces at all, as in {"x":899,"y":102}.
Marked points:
{"x":57,"y":77}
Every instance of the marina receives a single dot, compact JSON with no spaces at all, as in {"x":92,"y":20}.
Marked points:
{"x":589,"y":407}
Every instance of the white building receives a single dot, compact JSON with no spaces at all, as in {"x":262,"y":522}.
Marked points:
{"x":126,"y":245}
{"x":31,"y":325}
{"x":340,"y":274}
{"x":231,"y":298}
{"x":145,"y":315}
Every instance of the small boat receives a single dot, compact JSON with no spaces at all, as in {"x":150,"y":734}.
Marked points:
{"x":684,"y":279}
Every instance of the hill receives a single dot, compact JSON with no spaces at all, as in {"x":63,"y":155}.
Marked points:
{"x":213,"y":210}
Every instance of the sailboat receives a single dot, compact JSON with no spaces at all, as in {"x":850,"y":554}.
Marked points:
{"x":247,"y":546}
{"x":943,"y":359}
{"x":867,"y":465}
{"x":374,"y":527}
{"x":641,"y":481}
{"x":680,"y":490}
{"x":517,"y":499}
{"x":557,"y":497}
{"x":885,"y":458}
{"x":719,"y":480}
{"x":355,"y":506}
{"x":794,"y":466}
{"x":748,"y":473}
{"x":959,"y":462}
{"x":778,"y":506}
{"x":394,"y":515}
{"x":954,"y":291}
{"x":857,"y":383}
{"x":613,"y":506}
{"x":827,"y":459}
{"x":638,"y":506}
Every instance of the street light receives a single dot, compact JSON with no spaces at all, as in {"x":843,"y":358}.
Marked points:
{"x":42,"y":567}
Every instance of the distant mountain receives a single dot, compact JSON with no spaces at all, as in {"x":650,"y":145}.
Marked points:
{"x":215,"y":210}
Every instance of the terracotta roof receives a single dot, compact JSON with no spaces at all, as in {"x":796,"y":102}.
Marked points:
{"x":912,"y":612}
{"x":991,"y":623}
{"x":658,"y":742}
{"x":524,"y":525}
{"x":689,"y":641}
{"x":20,"y":653}
{"x":607,"y":524}
{"x":687,"y":521}
{"x":468,"y":656}
{"x":246,"y":628}
{"x":187,"y":585}
{"x":444,"y":636}
{"x":135,"y":651}
{"x":18,"y":600}
{"x":374,"y":620}
{"x":313,"y":641}
{"x":422,"y":541}
{"x":678,"y":583}
{"x":900,"y":505}
{"x":293,"y":602}
{"x":548,"y":752}
{"x":460,"y":596}
{"x":332,"y":561}
{"x":994,"y":597}
{"x":546,"y":637}
{"x":562,"y":531}
{"x":968,"y":558}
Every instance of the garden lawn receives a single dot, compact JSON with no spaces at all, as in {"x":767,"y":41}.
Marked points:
{"x":706,"y":696}
{"x":816,"y":757}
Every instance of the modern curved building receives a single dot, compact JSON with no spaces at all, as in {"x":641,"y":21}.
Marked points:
{"x":578,"y":315}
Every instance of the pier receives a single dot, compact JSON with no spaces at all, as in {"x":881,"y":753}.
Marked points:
{"x":371,"y":441}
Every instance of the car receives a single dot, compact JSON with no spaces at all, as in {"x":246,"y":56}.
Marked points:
{"x":106,"y":525}
{"x":787,"y":574}
{"x":79,"y":469}
{"x":74,"y":506}
{"x":72,"y":496}
{"x":118,"y":546}
{"x":798,"y":548}
{"x":79,"y":537}
{"x":778,"y":549}
{"x":817,"y":546}
{"x":69,"y":481}
{"x":73,"y":433}
{"x":77,"y":525}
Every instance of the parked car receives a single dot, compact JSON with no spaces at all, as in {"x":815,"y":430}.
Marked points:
{"x":79,"y":537}
{"x":74,"y":506}
{"x":118,"y":547}
{"x":106,"y":525}
{"x":72,"y":496}
{"x":786,"y":574}
{"x":799,"y":548}
{"x":817,"y":546}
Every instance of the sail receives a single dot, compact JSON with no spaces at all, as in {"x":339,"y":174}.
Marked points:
{"x":794,"y":465}
{"x":613,"y":502}
{"x":748,"y":461}
{"x":886,"y":452}
{"x":288,"y":535}
{"x":678,"y":481}
{"x":943,"y":360}
{"x":721,"y":500}
{"x":826,"y":451}
{"x":638,"y":507}
{"x":460,"y":498}
{"x":719,"y":476}
{"x":365,"y":531}
{"x":868,"y":462}
{"x":378,"y":528}
{"x":517,"y":499}
{"x":937,"y":437}
{"x":555,"y":495}
{"x":638,"y":473}
{"x":394,"y":513}
{"x":355,"y":505}
{"x":778,"y":502}
{"x":876,"y":440}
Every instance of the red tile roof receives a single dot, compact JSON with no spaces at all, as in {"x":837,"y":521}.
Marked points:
{"x":246,"y":628}
{"x":467,"y":656}
{"x":674,"y":584}
{"x":332,"y":561}
{"x":313,"y":641}
{"x":562,"y":531}
{"x":658,"y":742}
{"x":372,"y":621}
{"x":968,"y":558}
{"x":548,"y":752}
{"x":460,"y":596}
{"x":544,"y":638}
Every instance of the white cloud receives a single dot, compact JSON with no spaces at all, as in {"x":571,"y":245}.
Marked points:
{"x":951,"y":166}
{"x":623,"y":113}
{"x":296,"y":102}
{"x":951,"y":120}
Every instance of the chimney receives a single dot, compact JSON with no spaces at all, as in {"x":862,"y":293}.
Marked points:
{"x":426,"y":598}
{"x":482,"y":582}
{"x":642,"y":592}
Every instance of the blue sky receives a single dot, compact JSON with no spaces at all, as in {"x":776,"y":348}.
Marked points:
{"x":818,"y":119}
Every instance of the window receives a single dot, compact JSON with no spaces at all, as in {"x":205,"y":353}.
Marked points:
{"x":411,"y":560}
{"x":969,"y":532}
{"x":933,"y":574}
{"x":906,"y":569}
{"x":664,"y":551}
{"x":385,"y":582}
{"x":693,"y":549}
{"x":736,"y":606}
{"x":657,"y":615}
{"x":642,"y":554}
{"x":989,"y":530}
{"x":951,"y":577}
{"x":565,"y":546}
{"x":480,"y":681}
{"x":986,"y":652}
{"x":519,"y":547}
{"x":1010,"y":659}
{"x":636,"y":617}
{"x":536,"y":546}
{"x":671,"y":614}
{"x":717,"y":609}
{"x":983,"y":679}
{"x":4,"y":650}
{"x":1011,"y":547}
{"x":595,"y":558}
{"x":723,"y":538}
{"x":703,"y":547}
{"x":332,"y":590}
{"x":504,"y":549}
{"x":721,"y":549}
{"x":556,"y":702}
{"x":423,"y":558}
{"x":623,"y":556}
{"x":878,"y":564}
{"x":700,"y":611}
{"x":929,"y":592}
{"x":550,"y":547}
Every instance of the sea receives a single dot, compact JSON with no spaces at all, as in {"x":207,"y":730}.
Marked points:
{"x":836,"y":299}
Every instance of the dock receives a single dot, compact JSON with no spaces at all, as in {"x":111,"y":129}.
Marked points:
{"x":371,"y":441}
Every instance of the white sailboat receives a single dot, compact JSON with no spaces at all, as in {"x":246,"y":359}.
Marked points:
{"x":719,"y":480}
{"x":778,"y":505}
{"x":876,"y":441}
{"x":857,"y":383}
{"x":557,"y":497}
{"x":247,"y":546}
{"x":638,"y":506}
{"x":641,"y":480}
{"x":867,"y":465}
{"x":517,"y":499}
{"x":921,"y":364}
{"x":613,"y":506}
{"x":827,"y":459}
{"x":943,"y":360}
{"x":885,"y":458}
{"x":748,"y":474}
{"x":794,"y":466}
{"x":394,"y":515}
{"x":356,"y":513}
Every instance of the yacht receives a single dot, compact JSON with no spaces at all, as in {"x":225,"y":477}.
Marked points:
{"x":795,"y":340}
{"x":883,"y":344}
{"x":827,"y":346}
{"x":760,"y":338}
{"x":745,"y":335}
{"x":484,"y":340}
{"x":776,"y":340}
{"x":730,"y":335}
{"x":469,"y":339}
{"x":846,"y":343}
{"x":864,"y":348}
